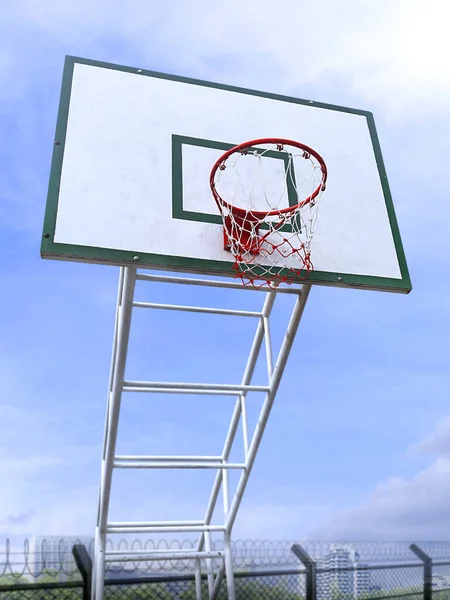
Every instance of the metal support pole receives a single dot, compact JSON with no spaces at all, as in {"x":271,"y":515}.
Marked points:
{"x":311,"y":574}
{"x":84,"y":565}
{"x":120,"y":347}
{"x":227,"y":538}
{"x":427,"y":571}
{"x":198,"y":579}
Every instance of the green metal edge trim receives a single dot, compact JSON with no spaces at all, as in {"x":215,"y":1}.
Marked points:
{"x":178,"y":211}
{"x":52,"y":250}
{"x":389,"y":203}
{"x":51,"y":210}
{"x":210,"y":84}
{"x":112,"y":256}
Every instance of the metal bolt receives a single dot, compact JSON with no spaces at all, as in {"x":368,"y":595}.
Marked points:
{"x":139,"y":70}
{"x":136,"y":258}
{"x":339,"y":278}
{"x":311,"y":102}
{"x":46,"y":235}
{"x":57,"y":143}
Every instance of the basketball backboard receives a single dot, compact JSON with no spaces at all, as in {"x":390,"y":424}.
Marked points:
{"x":133,"y":152}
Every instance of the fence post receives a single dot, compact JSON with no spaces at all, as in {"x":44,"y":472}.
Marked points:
{"x":310,"y":566}
{"x":84,"y":564}
{"x":427,"y":571}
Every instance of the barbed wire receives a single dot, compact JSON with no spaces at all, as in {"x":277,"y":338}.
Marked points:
{"x":51,"y":557}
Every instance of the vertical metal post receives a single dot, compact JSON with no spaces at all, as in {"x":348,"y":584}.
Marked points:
{"x":229,"y":566}
{"x":427,"y":571}
{"x":127,"y":284}
{"x":244,"y":424}
{"x":209,"y":563}
{"x":311,"y":572}
{"x":227,"y":538}
{"x":198,"y":580}
{"x":84,"y":564}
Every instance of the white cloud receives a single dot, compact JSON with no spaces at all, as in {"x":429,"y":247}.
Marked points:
{"x":404,"y":507}
{"x":261,"y":519}
{"x":397,"y":59}
{"x":55,"y":511}
{"x":37,"y":460}
{"x":391,"y":53}
{"x":438,"y":443}
{"x":19,"y":467}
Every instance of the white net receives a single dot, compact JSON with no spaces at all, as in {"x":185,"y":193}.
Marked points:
{"x":268,"y":195}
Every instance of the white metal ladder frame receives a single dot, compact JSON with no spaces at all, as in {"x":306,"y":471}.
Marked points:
{"x":118,"y":384}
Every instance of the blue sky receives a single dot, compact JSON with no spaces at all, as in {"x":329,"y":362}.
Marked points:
{"x":358,"y":445}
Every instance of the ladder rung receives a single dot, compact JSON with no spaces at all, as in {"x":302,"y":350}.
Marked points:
{"x":139,"y":528}
{"x":202,"y":392}
{"x":156,"y":524}
{"x":113,"y":555}
{"x":133,"y":463}
{"x":168,"y":458}
{"x":199,"y":309}
{"x":132,"y":386}
{"x":220,"y":284}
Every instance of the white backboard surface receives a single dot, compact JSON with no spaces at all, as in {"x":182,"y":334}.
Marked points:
{"x":130,"y":175}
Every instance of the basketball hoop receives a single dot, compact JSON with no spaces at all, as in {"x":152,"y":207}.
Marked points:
{"x":268,"y":224}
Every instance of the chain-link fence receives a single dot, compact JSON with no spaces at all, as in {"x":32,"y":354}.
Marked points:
{"x":339,"y":573}
{"x":42,"y":591}
{"x":441,"y":581}
{"x":40,"y":555}
{"x":375,"y":582}
{"x":263,"y":585}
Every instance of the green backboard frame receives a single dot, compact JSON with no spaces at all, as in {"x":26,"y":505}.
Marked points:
{"x":54,"y":250}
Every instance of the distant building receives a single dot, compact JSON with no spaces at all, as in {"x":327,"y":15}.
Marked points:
{"x":344,"y":574}
{"x":440,"y":582}
{"x":362,"y":580}
{"x":54,"y":553}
